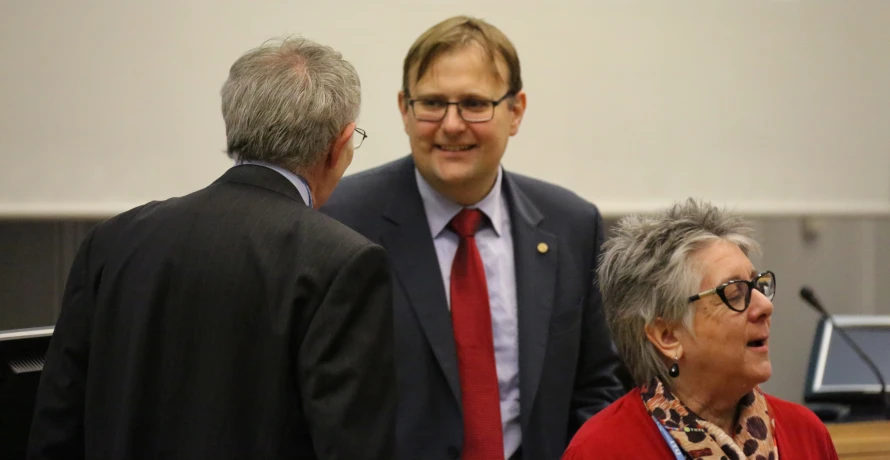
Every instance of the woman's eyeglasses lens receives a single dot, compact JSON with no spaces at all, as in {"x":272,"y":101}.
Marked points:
{"x":737,"y":294}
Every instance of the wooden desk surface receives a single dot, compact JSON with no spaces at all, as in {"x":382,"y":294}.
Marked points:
{"x":861,"y":440}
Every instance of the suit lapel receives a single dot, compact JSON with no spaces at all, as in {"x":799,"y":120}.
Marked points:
{"x":416,"y":265}
{"x":535,"y":288}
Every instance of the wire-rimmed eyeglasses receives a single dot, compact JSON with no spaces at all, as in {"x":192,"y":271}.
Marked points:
{"x":471,"y":110}
{"x":736,"y":294}
{"x":358,"y":136}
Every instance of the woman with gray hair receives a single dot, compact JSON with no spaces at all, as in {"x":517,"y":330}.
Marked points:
{"x":691,"y":318}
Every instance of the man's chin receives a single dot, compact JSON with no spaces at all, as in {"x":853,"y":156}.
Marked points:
{"x":456,"y":174}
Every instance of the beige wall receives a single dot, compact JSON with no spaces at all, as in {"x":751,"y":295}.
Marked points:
{"x":631,"y":103}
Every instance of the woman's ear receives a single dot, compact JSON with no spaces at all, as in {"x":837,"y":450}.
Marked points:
{"x":665,"y":338}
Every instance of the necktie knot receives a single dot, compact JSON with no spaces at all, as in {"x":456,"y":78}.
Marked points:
{"x":466,"y":222}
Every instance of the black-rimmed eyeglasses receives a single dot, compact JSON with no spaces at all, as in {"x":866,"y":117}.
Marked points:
{"x":358,"y":136}
{"x":472,"y":110}
{"x":736,"y":294}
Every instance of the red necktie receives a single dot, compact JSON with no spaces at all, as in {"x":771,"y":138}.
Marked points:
{"x":471,"y":319}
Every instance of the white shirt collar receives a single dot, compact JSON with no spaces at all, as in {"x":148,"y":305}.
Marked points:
{"x":440,"y":210}
{"x":300,"y":183}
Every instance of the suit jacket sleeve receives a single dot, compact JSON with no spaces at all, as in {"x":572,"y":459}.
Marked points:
{"x":346,"y":369}
{"x":596,"y":383}
{"x":57,"y":429}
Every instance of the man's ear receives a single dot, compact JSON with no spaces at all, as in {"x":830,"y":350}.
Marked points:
{"x":403,"y":108}
{"x":333,"y":157}
{"x":517,"y":110}
{"x":664,"y":338}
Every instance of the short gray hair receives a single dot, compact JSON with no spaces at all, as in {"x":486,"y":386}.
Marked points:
{"x":645,"y":272}
{"x":285,"y":102}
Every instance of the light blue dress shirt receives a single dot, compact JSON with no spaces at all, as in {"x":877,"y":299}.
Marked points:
{"x":298,"y":181}
{"x":495,"y":244}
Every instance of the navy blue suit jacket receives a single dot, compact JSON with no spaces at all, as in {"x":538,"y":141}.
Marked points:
{"x":567,"y":361}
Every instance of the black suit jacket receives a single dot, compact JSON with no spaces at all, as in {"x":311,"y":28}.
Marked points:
{"x":566,"y":358}
{"x":234,"y":322}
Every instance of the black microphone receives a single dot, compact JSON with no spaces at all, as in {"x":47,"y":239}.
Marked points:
{"x":807,"y":294}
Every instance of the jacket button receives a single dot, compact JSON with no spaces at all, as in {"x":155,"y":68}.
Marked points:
{"x":453,"y":452}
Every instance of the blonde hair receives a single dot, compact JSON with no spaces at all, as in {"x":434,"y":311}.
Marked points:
{"x":455,"y":33}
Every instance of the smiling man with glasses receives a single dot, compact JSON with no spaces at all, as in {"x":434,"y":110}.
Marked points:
{"x":502,"y":349}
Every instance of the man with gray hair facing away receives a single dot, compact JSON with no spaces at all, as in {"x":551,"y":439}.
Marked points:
{"x":236,"y":321}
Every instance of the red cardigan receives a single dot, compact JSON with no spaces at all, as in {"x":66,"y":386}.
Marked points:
{"x":625,"y":430}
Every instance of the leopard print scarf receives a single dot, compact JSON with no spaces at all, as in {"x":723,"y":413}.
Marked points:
{"x":753,"y":438}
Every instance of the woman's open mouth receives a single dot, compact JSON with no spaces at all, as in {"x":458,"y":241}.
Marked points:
{"x":759,"y":344}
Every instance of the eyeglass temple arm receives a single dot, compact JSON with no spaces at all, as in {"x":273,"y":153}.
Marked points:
{"x":702,"y":294}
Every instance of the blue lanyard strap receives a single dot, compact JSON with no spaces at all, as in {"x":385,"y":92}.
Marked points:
{"x":669,"y":440}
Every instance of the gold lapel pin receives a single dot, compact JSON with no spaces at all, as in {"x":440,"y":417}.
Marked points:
{"x":542,"y":248}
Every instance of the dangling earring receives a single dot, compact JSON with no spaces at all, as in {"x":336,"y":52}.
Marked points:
{"x":674,"y":371}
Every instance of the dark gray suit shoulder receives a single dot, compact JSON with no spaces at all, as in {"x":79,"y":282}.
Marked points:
{"x":361,"y":197}
{"x":551,"y":197}
{"x":240,"y":210}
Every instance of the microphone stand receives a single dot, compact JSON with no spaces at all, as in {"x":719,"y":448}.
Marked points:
{"x":810,"y":297}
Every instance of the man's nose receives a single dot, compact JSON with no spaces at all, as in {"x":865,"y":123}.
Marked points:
{"x":453,"y":122}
